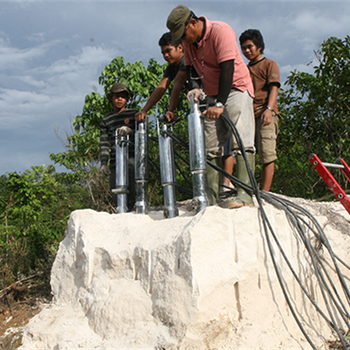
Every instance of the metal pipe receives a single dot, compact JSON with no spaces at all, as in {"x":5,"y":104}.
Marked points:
{"x":121,"y":172}
{"x":141,"y":167}
{"x":198,"y":164}
{"x":167,"y":171}
{"x":330,"y":165}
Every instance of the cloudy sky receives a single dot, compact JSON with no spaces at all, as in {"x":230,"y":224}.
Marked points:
{"x":52,"y":53}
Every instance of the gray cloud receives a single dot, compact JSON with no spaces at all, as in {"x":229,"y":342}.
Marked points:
{"x":52,"y":53}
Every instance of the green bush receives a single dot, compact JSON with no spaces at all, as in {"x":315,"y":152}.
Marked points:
{"x":34,"y":209}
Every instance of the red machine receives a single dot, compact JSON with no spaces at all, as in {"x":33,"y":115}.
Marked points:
{"x":330,"y":180}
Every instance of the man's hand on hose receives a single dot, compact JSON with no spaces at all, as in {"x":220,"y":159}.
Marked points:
{"x":196,"y":93}
{"x":171,"y":116}
{"x":141,"y":116}
{"x":125,"y":131}
{"x":214,"y":112}
{"x":104,"y":170}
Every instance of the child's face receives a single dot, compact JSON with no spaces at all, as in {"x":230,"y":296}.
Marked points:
{"x":250,"y":51}
{"x":172,"y":54}
{"x":119,"y":100}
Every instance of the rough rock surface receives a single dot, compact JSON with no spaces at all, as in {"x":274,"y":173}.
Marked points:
{"x":202,"y":281}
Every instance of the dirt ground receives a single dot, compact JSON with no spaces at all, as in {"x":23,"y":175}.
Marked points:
{"x":18,"y":304}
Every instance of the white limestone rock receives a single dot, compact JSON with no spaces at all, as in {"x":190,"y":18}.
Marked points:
{"x":202,"y":281}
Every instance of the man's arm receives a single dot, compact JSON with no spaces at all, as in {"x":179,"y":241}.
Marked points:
{"x":266,"y":116}
{"x":154,"y":98}
{"x":175,"y":94}
{"x":225,"y":85}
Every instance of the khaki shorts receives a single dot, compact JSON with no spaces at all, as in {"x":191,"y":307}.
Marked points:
{"x":239,"y":108}
{"x":266,"y":139}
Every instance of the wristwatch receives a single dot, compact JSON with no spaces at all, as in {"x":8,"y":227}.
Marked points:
{"x":219,"y":104}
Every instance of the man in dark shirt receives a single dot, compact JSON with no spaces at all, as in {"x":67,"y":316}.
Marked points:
{"x":173,"y":54}
{"x":123,"y":119}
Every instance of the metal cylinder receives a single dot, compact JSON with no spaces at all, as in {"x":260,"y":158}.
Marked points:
{"x":167,"y":172}
{"x":198,"y":164}
{"x":141,"y":167}
{"x":122,"y":172}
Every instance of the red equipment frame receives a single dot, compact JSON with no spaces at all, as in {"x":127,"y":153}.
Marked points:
{"x":330,"y":180}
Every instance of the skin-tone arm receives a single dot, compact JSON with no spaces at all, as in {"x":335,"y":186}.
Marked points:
{"x":154,"y":98}
{"x":225,"y":86}
{"x":179,"y":81}
{"x":266,"y":117}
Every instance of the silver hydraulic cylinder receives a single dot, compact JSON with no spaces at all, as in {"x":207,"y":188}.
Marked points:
{"x":141,"y":167}
{"x":167,"y":170}
{"x":198,"y":163}
{"x":121,"y":172}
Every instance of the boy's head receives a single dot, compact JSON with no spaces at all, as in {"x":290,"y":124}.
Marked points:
{"x":118,"y":88}
{"x":252,"y":45}
{"x":172,"y":51}
{"x":255,"y":36}
{"x":119,"y":96}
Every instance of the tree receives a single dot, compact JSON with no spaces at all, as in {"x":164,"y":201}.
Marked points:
{"x":34,"y":208}
{"x":315,"y":110}
{"x":82,"y":147}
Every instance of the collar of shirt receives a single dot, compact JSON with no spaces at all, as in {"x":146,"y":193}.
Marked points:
{"x":207,"y":28}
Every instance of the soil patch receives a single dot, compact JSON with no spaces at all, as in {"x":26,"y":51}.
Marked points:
{"x":19,"y":302}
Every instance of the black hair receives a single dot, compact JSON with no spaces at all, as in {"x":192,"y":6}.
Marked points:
{"x":255,"y":36}
{"x":167,"y":39}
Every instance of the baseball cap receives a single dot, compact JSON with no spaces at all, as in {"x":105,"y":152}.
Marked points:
{"x":176,"y":21}
{"x":117,"y":87}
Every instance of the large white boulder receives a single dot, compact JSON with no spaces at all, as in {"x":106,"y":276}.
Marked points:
{"x":202,"y":281}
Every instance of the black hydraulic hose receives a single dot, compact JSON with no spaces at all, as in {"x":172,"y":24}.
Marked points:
{"x":286,"y":259}
{"x":183,"y":175}
{"x":314,"y":253}
{"x":182,"y":158}
{"x":184,"y":189}
{"x":279,"y":277}
{"x":323,"y":285}
{"x":267,"y":227}
{"x":154,"y":165}
{"x":176,"y":138}
{"x":153,"y":138}
{"x":320,"y":236}
{"x":323,"y":238}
